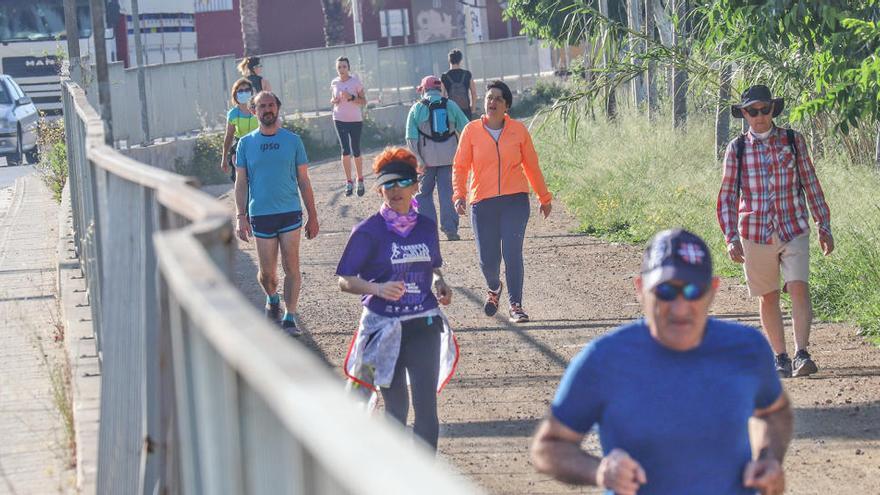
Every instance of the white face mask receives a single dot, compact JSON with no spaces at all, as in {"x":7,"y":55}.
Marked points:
{"x":243,"y":96}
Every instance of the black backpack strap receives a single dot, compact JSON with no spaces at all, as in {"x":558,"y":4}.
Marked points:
{"x":740,"y":149}
{"x":792,"y":143}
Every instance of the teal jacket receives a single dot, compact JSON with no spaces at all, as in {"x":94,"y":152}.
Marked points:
{"x":429,"y":153}
{"x":419,"y":113}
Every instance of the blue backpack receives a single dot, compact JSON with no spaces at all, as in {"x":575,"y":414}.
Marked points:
{"x":439,"y":120}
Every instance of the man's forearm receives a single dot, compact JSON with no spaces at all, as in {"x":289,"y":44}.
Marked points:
{"x":308,"y":196}
{"x":565,"y":462}
{"x":778,"y":432}
{"x":240,"y":193}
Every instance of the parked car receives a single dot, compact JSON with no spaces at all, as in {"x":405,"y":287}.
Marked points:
{"x":18,"y":124}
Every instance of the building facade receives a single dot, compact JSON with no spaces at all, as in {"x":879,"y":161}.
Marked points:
{"x":287,"y":25}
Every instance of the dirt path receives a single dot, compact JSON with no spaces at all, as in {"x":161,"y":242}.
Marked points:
{"x":577,"y":288}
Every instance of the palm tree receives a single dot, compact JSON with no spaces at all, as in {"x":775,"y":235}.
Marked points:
{"x":250,"y":29}
{"x":335,"y":18}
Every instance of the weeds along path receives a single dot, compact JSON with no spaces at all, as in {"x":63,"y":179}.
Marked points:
{"x":577,"y":288}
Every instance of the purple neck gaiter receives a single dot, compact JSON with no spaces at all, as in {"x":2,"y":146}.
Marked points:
{"x":400,"y":224}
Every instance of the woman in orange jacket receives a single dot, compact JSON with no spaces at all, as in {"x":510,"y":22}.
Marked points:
{"x":497,"y":153}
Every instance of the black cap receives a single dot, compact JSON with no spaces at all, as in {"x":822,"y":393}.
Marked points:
{"x":676,"y":254}
{"x":754,"y":94}
{"x":396,"y":170}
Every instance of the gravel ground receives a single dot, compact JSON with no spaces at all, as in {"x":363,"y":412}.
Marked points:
{"x":577,"y":288}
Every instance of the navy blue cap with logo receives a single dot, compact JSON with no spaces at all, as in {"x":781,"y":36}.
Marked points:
{"x":676,"y":254}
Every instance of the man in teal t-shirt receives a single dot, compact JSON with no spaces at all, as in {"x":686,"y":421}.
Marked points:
{"x":672,"y":394}
{"x":274,"y":174}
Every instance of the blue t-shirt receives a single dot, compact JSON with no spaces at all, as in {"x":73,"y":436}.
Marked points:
{"x":271,"y":163}
{"x":682,"y":415}
{"x":378,"y":255}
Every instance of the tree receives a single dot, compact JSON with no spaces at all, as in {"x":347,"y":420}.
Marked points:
{"x":335,"y":19}
{"x":679,"y":75}
{"x":250,"y":29}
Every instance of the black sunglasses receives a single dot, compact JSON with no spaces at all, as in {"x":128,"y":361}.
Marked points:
{"x":668,"y":292}
{"x":755,"y":111}
{"x":398,"y":183}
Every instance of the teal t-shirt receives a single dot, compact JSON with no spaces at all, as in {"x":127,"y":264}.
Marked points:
{"x":271,"y":163}
{"x":244,"y":122}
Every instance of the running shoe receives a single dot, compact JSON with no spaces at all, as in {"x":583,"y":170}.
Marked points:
{"x":452,"y":236}
{"x":290,"y":328}
{"x":361,"y":190}
{"x":803,"y":364}
{"x":491,"y":305}
{"x":273,"y":311}
{"x":349,"y":188}
{"x":783,"y":365}
{"x":517,"y":314}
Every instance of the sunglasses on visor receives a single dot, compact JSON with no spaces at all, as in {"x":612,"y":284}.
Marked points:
{"x":398,"y":183}
{"x":668,"y":292}
{"x":755,"y":111}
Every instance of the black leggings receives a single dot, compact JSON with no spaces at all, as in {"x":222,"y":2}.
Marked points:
{"x":420,"y":356}
{"x":349,"y":134}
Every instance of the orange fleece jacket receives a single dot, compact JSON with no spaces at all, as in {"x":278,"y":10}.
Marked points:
{"x":497,"y":169}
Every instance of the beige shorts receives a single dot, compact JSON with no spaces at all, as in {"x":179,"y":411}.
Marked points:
{"x":763,"y":261}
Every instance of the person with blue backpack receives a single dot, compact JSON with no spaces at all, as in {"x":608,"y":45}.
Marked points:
{"x":432,"y":128}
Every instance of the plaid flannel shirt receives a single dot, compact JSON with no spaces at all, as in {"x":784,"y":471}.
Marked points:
{"x":772,"y":189}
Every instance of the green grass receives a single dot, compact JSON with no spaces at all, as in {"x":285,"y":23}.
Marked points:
{"x":627,"y":180}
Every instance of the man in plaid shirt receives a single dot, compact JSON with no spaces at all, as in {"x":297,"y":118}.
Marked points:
{"x":769,"y":183}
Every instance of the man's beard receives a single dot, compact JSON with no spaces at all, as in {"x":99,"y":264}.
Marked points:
{"x":268,"y":119}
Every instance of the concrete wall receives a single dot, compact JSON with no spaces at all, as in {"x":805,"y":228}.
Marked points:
{"x":165,"y":154}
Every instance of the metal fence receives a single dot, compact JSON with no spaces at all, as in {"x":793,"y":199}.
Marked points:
{"x":191,"y":96}
{"x":199,"y":393}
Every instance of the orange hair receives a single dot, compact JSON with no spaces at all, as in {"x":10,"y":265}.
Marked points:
{"x":394,"y":154}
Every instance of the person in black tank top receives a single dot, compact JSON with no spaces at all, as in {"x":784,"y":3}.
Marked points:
{"x":251,"y":69}
{"x":459,"y":86}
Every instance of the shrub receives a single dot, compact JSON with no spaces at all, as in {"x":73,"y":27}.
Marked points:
{"x":52,"y":165}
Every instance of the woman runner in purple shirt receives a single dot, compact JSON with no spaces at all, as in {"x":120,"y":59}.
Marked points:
{"x":393,"y":261}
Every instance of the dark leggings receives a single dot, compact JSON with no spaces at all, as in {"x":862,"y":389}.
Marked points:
{"x":499,"y":226}
{"x":349,"y":134}
{"x":420,"y":356}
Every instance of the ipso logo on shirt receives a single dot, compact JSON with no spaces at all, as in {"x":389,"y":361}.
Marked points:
{"x":411,"y":253}
{"x":269,"y":146}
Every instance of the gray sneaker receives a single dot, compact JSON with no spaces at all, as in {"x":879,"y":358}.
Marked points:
{"x":803,"y":364}
{"x":783,"y":365}
{"x":290,"y":328}
{"x":273,"y":311}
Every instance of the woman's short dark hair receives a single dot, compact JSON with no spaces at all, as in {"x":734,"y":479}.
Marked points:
{"x":344,"y":59}
{"x":455,"y":56}
{"x":505,"y":91}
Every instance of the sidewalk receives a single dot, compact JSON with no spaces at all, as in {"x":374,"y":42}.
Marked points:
{"x":34,"y":456}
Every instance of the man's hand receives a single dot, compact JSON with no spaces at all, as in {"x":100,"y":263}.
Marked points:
{"x":735,"y":251}
{"x":391,"y":291}
{"x":444,"y":292}
{"x":311,"y":227}
{"x":620,"y":473}
{"x":546,"y":208}
{"x":224,"y":166}
{"x":766,"y":476}
{"x":826,"y":242}
{"x":460,"y":207}
{"x":243,"y":228}
{"x":421,"y":169}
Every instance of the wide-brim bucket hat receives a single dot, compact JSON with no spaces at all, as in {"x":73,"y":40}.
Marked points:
{"x":755,"y":94}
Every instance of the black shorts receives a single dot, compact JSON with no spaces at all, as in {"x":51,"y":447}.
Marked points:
{"x":269,"y":226}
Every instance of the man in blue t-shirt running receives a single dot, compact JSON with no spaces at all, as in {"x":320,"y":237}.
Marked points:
{"x":672,"y":394}
{"x":273,"y":172}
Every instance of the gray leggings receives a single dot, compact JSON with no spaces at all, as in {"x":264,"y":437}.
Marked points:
{"x":420,"y":356}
